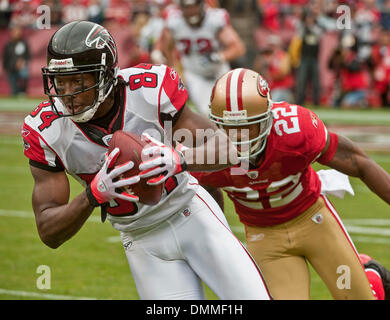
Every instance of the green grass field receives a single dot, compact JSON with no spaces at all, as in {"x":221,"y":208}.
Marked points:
{"x":93,"y":263}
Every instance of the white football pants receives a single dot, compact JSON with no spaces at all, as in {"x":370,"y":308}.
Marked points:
{"x":169,"y":260}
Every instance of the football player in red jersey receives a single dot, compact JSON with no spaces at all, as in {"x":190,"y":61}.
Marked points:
{"x":170,"y":246}
{"x":289,"y":222}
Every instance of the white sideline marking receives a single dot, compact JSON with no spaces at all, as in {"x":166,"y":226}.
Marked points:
{"x":114,"y":239}
{"x":369,"y":230}
{"x":42,"y":295}
{"x":335,"y":115}
{"x":16,"y":213}
{"x":368,"y":222}
{"x":371,"y":240}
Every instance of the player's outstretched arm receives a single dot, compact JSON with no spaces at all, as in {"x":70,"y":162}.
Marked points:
{"x":163,"y":49}
{"x":234,"y":47}
{"x":351,"y":160}
{"x":210,"y":149}
{"x":56,"y":219}
{"x":204,"y":148}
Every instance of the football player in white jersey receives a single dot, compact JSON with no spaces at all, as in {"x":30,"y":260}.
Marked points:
{"x":206,"y":43}
{"x":171,"y":246}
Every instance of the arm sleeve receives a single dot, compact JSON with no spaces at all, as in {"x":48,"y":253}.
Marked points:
{"x":46,"y":167}
{"x":216,"y":179}
{"x":40,"y":155}
{"x":167,"y":117}
{"x":315,"y":134}
{"x":173,"y":95}
{"x":332,"y":148}
{"x":221,"y":18}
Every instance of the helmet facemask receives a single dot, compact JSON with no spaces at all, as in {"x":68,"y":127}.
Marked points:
{"x":195,"y":19}
{"x":248,"y":148}
{"x":77,"y":49}
{"x":102,"y":87}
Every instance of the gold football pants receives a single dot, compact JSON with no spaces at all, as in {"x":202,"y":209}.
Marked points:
{"x":316,"y":236}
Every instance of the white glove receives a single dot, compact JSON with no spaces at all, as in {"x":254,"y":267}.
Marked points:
{"x":102,"y":187}
{"x":167,"y":163}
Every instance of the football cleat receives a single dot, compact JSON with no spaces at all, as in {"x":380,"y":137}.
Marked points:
{"x":370,"y":263}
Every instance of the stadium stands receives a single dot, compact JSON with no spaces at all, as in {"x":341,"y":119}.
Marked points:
{"x":273,"y":17}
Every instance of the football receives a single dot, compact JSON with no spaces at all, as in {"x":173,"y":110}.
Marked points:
{"x":130,"y":146}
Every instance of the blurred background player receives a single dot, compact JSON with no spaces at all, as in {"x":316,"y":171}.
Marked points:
{"x":16,"y":58}
{"x":203,"y":42}
{"x":274,"y":63}
{"x":354,"y":80}
{"x":154,"y":24}
{"x":280,"y":199}
{"x":308,"y":70}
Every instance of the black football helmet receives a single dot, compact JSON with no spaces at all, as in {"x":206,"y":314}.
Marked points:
{"x":81,"y":47}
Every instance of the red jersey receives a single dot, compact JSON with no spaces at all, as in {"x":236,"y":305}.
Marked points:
{"x":284,"y":185}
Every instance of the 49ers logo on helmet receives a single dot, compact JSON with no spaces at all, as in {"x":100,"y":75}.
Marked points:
{"x":100,"y":38}
{"x":262,"y":86}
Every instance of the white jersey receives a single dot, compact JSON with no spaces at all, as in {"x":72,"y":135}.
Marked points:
{"x":154,"y":93}
{"x":195,"y":44}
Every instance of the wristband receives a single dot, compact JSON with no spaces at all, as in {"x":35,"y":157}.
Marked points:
{"x":183,"y":163}
{"x":92,"y":200}
{"x":94,"y":203}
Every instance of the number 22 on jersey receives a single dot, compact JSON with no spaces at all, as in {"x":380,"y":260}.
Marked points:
{"x":289,"y":123}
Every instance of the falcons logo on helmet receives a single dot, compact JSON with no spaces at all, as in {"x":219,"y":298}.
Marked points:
{"x":99,"y":37}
